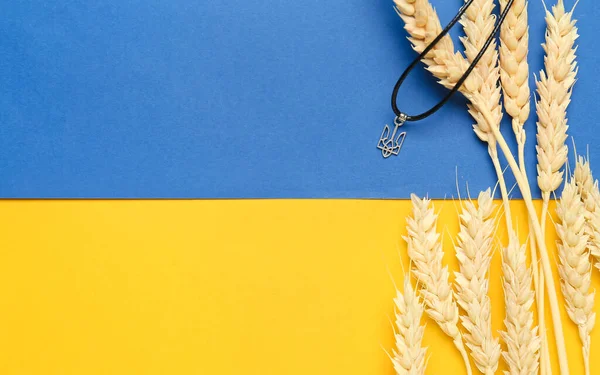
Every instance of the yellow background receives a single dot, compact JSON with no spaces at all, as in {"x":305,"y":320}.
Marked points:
{"x":214,"y":287}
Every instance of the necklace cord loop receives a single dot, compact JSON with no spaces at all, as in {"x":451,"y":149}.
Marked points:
{"x":400,"y":119}
{"x":462,"y":79}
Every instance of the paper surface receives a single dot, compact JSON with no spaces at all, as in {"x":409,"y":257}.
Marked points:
{"x":272,"y":99}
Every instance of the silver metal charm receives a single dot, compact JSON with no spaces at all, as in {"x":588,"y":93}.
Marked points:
{"x":391,"y":144}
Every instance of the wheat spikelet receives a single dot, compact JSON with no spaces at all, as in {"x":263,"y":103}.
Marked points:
{"x":423,"y":25}
{"x":590,"y":195}
{"x":554,"y":90}
{"x":474,"y":254}
{"x":574,"y":267}
{"x":584,"y":180}
{"x":425,"y":252}
{"x":521,"y":337}
{"x":409,"y":355}
{"x":514,"y":72}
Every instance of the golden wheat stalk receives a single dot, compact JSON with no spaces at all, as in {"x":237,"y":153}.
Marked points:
{"x":474,"y":254}
{"x":554,"y":94}
{"x":425,"y":252}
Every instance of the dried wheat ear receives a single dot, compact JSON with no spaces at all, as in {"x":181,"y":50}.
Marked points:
{"x":409,"y":355}
{"x":554,"y":89}
{"x":425,"y":252}
{"x":474,"y":254}
{"x":521,"y":336}
{"x":575,"y":269}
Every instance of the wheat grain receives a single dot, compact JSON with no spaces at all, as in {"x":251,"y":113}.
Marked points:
{"x":474,"y":254}
{"x":425,"y":252}
{"x":554,"y":90}
{"x":409,"y":355}
{"x":423,"y":25}
{"x":575,"y":267}
{"x":590,"y":195}
{"x":521,"y":337}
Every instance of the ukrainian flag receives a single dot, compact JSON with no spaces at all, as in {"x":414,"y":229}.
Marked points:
{"x":194,"y":187}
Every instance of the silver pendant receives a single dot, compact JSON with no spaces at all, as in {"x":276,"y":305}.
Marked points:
{"x":391,"y":144}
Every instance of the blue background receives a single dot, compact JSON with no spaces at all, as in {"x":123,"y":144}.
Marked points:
{"x":211,"y":99}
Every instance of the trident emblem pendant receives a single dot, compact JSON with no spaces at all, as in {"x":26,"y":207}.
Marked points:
{"x":391,"y":144}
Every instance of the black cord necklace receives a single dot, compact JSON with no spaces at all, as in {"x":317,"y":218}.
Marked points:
{"x":390,"y":144}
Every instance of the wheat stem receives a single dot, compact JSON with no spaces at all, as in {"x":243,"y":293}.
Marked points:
{"x":493,"y":152}
{"x":521,"y":155}
{"x":539,"y":299}
{"x":540,"y":291}
{"x":548,"y":364}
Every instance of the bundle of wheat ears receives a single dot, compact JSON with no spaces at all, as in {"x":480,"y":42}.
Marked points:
{"x":500,"y":83}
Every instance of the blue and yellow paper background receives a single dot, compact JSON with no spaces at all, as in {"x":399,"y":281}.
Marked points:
{"x":181,"y":99}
